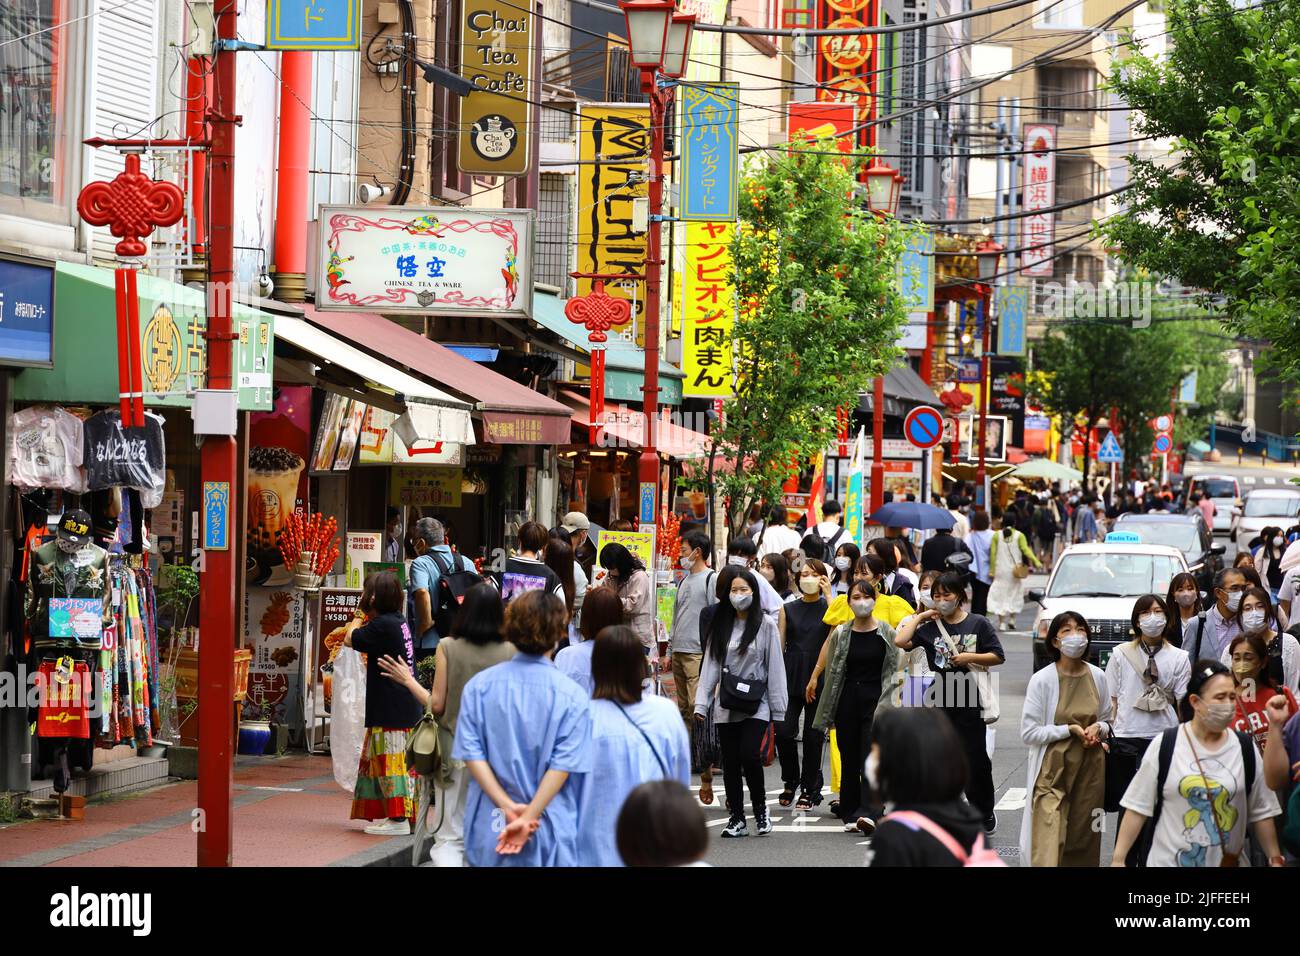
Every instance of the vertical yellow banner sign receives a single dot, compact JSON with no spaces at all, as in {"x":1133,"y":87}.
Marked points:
{"x":496,"y":119}
{"x":709,"y":310}
{"x":607,"y":135}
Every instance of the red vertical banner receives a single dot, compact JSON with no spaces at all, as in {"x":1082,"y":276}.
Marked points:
{"x":848,"y":62}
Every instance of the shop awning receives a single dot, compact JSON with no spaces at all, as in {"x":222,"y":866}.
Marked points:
{"x":173,"y":353}
{"x":904,"y":390}
{"x":625,"y":428}
{"x":512,"y":412}
{"x":442,"y":417}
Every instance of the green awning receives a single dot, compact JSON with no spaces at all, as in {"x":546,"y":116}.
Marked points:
{"x":173,"y":352}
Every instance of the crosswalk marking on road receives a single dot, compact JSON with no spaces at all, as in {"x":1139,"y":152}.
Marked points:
{"x":1013,"y":799}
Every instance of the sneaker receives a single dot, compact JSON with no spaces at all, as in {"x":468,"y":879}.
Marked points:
{"x":850,"y":826}
{"x":735,"y":828}
{"x":764,"y":823}
{"x":865,"y":825}
{"x":991,"y":824}
{"x":390,"y":828}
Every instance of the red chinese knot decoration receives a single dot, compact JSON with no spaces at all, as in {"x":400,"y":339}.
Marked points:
{"x":132,"y":206}
{"x":598,"y":312}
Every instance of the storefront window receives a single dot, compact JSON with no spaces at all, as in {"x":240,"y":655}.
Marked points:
{"x":33,"y":81}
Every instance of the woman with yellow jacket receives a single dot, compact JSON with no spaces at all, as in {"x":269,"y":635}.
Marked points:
{"x":890,"y":608}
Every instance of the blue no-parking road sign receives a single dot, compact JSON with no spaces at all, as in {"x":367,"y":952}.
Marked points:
{"x":923,"y":427}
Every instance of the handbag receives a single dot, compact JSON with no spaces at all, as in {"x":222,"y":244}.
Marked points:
{"x":1228,"y":859}
{"x":767,"y":748}
{"x":1019,"y":570}
{"x":990,"y":706}
{"x":743,"y":695}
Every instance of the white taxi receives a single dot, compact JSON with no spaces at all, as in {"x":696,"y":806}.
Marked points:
{"x":1101,"y":582}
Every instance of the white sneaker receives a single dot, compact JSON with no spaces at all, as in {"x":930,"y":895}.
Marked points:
{"x":390,"y":828}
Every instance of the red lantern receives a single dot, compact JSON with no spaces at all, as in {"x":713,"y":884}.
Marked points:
{"x":598,"y":312}
{"x":132,"y":205}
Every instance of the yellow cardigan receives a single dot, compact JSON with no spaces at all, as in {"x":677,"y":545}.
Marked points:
{"x":890,"y":608}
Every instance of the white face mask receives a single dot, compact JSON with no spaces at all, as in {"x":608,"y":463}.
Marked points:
{"x":738,"y":561}
{"x":809,"y":585}
{"x":842,"y":563}
{"x":1250,"y":620}
{"x":862,"y":607}
{"x":873,"y":771}
{"x":924,"y":598}
{"x":1073,"y":646}
{"x":688,"y":562}
{"x":1217,"y":716}
{"x":945,"y":606}
{"x":1152,"y":624}
{"x":741,"y":602}
{"x":1186,"y":598}
{"x":1234,"y":601}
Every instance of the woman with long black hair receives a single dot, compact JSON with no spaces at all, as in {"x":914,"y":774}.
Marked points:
{"x":846,"y":559}
{"x":629,"y":577}
{"x":1256,"y":613}
{"x":1185,"y":597}
{"x":776,"y":571}
{"x":743,"y":663}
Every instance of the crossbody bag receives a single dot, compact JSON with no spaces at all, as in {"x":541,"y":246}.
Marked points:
{"x":1155,"y":698}
{"x":663,"y":767}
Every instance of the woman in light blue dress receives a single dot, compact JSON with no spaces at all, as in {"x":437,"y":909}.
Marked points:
{"x":635,"y":737}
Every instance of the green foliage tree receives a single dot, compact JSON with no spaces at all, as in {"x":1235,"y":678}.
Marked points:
{"x":1221,"y":211}
{"x":819,"y":312}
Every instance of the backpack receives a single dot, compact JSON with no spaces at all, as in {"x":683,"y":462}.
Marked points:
{"x":453,"y":584}
{"x":980,"y":854}
{"x":828,"y":554}
{"x":1169,"y":739}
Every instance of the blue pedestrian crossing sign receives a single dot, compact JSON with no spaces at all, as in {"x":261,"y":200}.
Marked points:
{"x":1110,"y":453}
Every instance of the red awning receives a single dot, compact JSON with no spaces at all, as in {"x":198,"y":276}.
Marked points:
{"x":626,"y":428}
{"x":513,"y":413}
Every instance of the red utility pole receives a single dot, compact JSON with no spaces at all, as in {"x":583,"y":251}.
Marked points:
{"x":981,"y":497}
{"x":648,"y":466}
{"x":219,"y":463}
{"x":291,"y":215}
{"x":877,"y":444}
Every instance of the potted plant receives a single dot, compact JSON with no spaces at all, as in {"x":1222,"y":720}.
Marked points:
{"x":255,"y":734}
{"x":178,"y":586}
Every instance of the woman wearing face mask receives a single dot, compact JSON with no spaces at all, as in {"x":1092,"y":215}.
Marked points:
{"x":1147,"y":676}
{"x":805,"y":633}
{"x":1201,"y":801}
{"x":917,"y":668}
{"x":1185,"y":597}
{"x":1066,"y":717}
{"x":1248,"y":658}
{"x":776,"y":572}
{"x":1256,"y":613}
{"x":862,"y":677}
{"x":1268,"y":558}
{"x":743,"y":664}
{"x":954,"y":641}
{"x":846,"y":559}
{"x":1008,"y":551}
{"x":890,"y":608}
{"x":629,"y":577}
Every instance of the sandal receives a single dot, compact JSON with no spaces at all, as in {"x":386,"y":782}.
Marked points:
{"x":835,"y":808}
{"x":805,"y":803}
{"x":787,"y":796}
{"x":706,"y":793}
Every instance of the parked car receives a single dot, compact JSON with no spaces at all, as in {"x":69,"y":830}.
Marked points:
{"x":1101,"y":582}
{"x":1188,"y":533}
{"x":1263,"y":507}
{"x":1223,"y":490}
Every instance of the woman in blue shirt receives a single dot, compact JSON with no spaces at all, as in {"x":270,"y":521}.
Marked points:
{"x":635,"y":737}
{"x":523,"y":729}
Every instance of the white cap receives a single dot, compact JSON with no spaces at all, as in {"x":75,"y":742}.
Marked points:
{"x":575,"y":521}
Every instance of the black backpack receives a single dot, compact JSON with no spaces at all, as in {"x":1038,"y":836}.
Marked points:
{"x":1169,"y":739}
{"x":829,"y":546}
{"x":454,"y":582}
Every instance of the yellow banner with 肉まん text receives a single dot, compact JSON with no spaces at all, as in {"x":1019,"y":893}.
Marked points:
{"x":708,"y":310}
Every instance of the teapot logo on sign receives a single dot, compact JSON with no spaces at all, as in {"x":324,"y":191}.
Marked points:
{"x":493,"y":137}
{"x":496,"y":57}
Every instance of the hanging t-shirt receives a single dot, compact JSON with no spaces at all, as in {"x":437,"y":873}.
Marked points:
{"x":45,"y":449}
{"x":123,"y":457}
{"x":1186,"y":835}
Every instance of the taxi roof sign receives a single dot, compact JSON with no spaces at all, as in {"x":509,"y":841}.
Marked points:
{"x":1123,"y":537}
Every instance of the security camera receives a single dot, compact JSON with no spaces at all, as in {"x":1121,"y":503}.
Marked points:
{"x":265,"y":286}
{"x":369,"y":192}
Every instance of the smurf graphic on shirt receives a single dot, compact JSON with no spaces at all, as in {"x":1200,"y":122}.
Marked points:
{"x":1209,"y":819}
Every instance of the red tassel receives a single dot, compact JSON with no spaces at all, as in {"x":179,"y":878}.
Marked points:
{"x":134,"y":346}
{"x":123,"y":347}
{"x":597,"y":392}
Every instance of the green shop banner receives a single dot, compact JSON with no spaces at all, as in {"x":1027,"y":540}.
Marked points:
{"x":173,"y":352}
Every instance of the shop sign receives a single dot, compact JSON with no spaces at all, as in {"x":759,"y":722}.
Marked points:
{"x":313,"y":24}
{"x":26,"y":313}
{"x":1039,"y":186}
{"x":438,"y":260}
{"x":995,"y":437}
{"x":822,"y":121}
{"x":337,"y":608}
{"x":613,"y":148}
{"x":216,"y":516}
{"x":338,"y":434}
{"x":518,"y":428}
{"x":363,"y":547}
{"x":426,"y":487}
{"x":710,"y":151}
{"x":496,"y":56}
{"x":275,"y":620}
{"x":378,"y":444}
{"x":173,"y":351}
{"x":1011,"y":303}
{"x":916,"y":272}
{"x":709,"y":311}
{"x":640,"y":543}
{"x":845,"y":61}
{"x":1007,"y":396}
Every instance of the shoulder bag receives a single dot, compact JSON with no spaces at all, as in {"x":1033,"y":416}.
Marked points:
{"x":744,"y":695}
{"x":663,"y":767}
{"x":990,"y":706}
{"x":1021,"y":568}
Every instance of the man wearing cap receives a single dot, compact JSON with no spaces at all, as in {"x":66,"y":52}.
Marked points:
{"x":584,"y":551}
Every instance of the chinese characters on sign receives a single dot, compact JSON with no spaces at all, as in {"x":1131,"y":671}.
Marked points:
{"x":441,"y":261}
{"x":846,"y":62}
{"x":1012,"y":304}
{"x":426,"y":487}
{"x":607,"y":243}
{"x":216,"y":515}
{"x":496,"y":56}
{"x":710,"y":134}
{"x":709,"y":304}
{"x":313,"y":25}
{"x":26,"y":314}
{"x":1039,"y":176}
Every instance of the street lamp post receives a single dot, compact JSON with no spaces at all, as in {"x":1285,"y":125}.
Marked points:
{"x":884,"y":185}
{"x":660,"y":41}
{"x":987,"y":254}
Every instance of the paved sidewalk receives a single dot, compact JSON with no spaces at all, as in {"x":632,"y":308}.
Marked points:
{"x":288,"y":812}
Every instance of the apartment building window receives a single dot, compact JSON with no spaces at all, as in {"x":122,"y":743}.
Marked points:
{"x":913,"y":92}
{"x":1059,"y":15}
{"x":557,"y":125}
{"x":1067,"y":94}
{"x":34,"y":105}
{"x":1077,"y":178}
{"x":554,"y":215}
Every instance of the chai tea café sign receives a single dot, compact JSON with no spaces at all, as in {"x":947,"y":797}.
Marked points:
{"x":441,"y":260}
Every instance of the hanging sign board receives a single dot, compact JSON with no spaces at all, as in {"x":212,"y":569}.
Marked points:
{"x":439,"y":260}
{"x":710,"y":151}
{"x":313,"y":25}
{"x":496,"y":56}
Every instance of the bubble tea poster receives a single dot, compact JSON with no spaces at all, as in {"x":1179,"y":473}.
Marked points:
{"x":278,"y":448}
